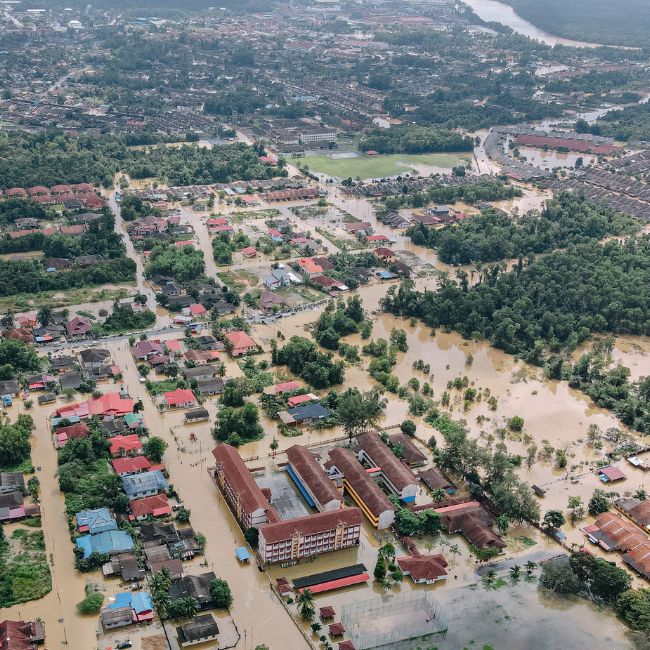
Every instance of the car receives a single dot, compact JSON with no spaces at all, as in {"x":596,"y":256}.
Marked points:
{"x":142,"y":379}
{"x":124,"y":644}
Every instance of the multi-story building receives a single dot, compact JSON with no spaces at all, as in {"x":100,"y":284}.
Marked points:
{"x":303,"y":537}
{"x":314,"y":484}
{"x":398,"y":478}
{"x":343,"y":466}
{"x":311,"y":135}
{"x":245,"y":498}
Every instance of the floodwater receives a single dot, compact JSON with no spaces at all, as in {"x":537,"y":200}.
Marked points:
{"x":499,"y":12}
{"x":550,"y":159}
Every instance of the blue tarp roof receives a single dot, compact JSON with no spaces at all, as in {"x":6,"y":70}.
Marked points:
{"x":141,"y":602}
{"x":242,"y":554}
{"x":308,"y":412}
{"x":386,"y":275}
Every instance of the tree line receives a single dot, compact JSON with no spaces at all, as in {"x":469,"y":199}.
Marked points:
{"x":414,"y":139}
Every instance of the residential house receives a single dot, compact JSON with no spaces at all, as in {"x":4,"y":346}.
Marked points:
{"x":110,"y":542}
{"x":144,"y":484}
{"x":385,"y":255}
{"x":95,"y":521}
{"x":270,"y":302}
{"x":181,"y":398}
{"x":127,"y":466}
{"x":304,"y":414}
{"x":12,"y":482}
{"x":95,"y":358}
{"x":197,"y":587}
{"x":21,"y":635}
{"x":309,"y":268}
{"x":143,"y":350}
{"x":154,"y":506}
{"x":210,"y":386}
{"x":197,"y":415}
{"x":277,"y":279}
{"x":124,"y":565}
{"x":127,"y":607}
{"x":241,"y":343}
{"x":79,"y":327}
{"x":129,"y":445}
{"x":63,"y":364}
{"x":200,"y":629}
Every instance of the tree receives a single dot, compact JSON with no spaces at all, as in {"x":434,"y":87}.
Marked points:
{"x":598,"y":503}
{"x":252,"y":535}
{"x":274,"y":445}
{"x":316,"y":628}
{"x":558,"y":578}
{"x":220,"y":593}
{"x":44,"y":315}
{"x":186,"y":607}
{"x":603,"y":580}
{"x":634,"y":606}
{"x":516,"y":423}
{"x":439,"y":495}
{"x":553,"y":519}
{"x":502,"y":524}
{"x":358,"y":411}
{"x":408,"y":428}
{"x":515,"y":572}
{"x":154,"y":449}
{"x":14,"y":442}
{"x":380,"y":568}
{"x":305,"y":602}
{"x":576,"y":509}
{"x":92,"y":603}
{"x":34,"y":487}
{"x":234,"y":391}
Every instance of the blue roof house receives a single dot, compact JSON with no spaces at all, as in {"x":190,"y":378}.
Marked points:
{"x":145,"y":484}
{"x":110,"y":542}
{"x":308,"y":412}
{"x":95,"y":521}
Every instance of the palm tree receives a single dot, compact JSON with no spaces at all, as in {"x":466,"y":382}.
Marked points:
{"x":530,"y":567}
{"x":316,"y":628}
{"x":489,"y":578}
{"x":439,"y":495}
{"x":188,"y":607}
{"x":502,"y":524}
{"x":274,"y":445}
{"x":515,"y":572}
{"x":305,"y":602}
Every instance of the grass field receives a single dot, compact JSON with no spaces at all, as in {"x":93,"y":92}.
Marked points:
{"x":379,"y":166}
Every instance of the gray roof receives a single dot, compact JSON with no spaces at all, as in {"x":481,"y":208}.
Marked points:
{"x":200,"y":627}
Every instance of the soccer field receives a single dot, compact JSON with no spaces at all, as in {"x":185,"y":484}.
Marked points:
{"x":379,"y":166}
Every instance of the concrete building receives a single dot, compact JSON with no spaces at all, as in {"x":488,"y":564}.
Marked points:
{"x":290,"y":541}
{"x":245,"y":498}
{"x":344,"y":466}
{"x":399,"y":479}
{"x":314,"y":484}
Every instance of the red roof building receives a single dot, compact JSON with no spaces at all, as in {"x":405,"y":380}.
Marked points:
{"x":155,"y":506}
{"x":107,"y":404}
{"x":311,"y":535}
{"x":181,"y":398}
{"x":244,"y":496}
{"x":249,"y":251}
{"x":63,"y":434}
{"x":78,"y":326}
{"x":385,"y":254}
{"x":241,"y":343}
{"x":423,"y":569}
{"x":125,"y":445}
{"x":287,"y":387}
{"x":124,"y":466}
{"x":21,"y":635}
{"x":301,"y":399}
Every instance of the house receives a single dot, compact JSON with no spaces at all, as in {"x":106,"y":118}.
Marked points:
{"x":304,"y":414}
{"x":63,"y":434}
{"x":197,"y":415}
{"x":277,"y":279}
{"x":63,"y":364}
{"x":210,"y":386}
{"x":95,"y":521}
{"x":375,"y":240}
{"x":610,"y":474}
{"x":47,"y":398}
{"x":12,"y":482}
{"x":174,"y":567}
{"x":40,"y":382}
{"x":423,"y":569}
{"x":287,"y":387}
{"x":9,"y":387}
{"x":95,"y":358}
{"x":433,"y":478}
{"x":240,"y":343}
{"x":304,"y":398}
{"x":194,"y":587}
{"x":21,"y":635}
{"x":139,"y":605}
{"x":70,"y":380}
{"x":223,"y":308}
{"x":126,"y":466}
{"x":359,"y":228}
{"x":638,"y":511}
{"x":108,"y":405}
{"x":472,"y":521}
{"x":201,"y":357}
{"x":201,"y":371}
{"x":144,"y":484}
{"x":181,"y":398}
{"x":78,"y":327}
{"x":270,"y":301}
{"x":109,"y":542}
{"x":195,"y":311}
{"x":385,"y":255}
{"x":411,"y":455}
{"x":158,"y":534}
{"x":199,"y":630}
{"x":249,"y":252}
{"x":129,"y":445}
{"x":153,"y":506}
{"x":328,"y":284}
{"x":209,"y":342}
{"x":124,"y":565}
{"x":143,"y":350}
{"x":12,"y":507}
{"x":308,"y":267}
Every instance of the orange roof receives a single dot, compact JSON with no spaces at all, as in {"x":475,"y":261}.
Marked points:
{"x":240,"y":340}
{"x":309,"y":265}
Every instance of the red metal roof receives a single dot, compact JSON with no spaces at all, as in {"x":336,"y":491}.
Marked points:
{"x":338,"y":584}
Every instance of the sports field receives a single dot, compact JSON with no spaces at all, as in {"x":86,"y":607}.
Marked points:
{"x":379,"y":166}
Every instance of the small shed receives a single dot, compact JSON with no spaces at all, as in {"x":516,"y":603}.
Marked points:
{"x":336,"y":629}
{"x":610,"y":474}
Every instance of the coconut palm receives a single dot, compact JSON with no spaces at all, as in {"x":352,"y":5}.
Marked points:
{"x":187,"y":607}
{"x":439,"y":495}
{"x":515,"y":572}
{"x":316,"y":628}
{"x":530,"y":567}
{"x":502,"y":524}
{"x":489,"y":578}
{"x":305,"y":602}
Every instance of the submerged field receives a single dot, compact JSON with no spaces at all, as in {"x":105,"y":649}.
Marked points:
{"x":379,"y":166}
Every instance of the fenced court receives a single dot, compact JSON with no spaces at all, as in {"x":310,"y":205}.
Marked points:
{"x":401,"y":622}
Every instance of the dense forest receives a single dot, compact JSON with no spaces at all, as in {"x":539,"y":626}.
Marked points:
{"x":595,"y":21}
{"x":492,"y":236}
{"x":414,"y":139}
{"x":556,"y":301}
{"x":50,"y":158}
{"x":630,"y":123}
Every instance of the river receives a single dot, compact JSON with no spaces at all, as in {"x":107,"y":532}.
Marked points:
{"x":499,"y":12}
